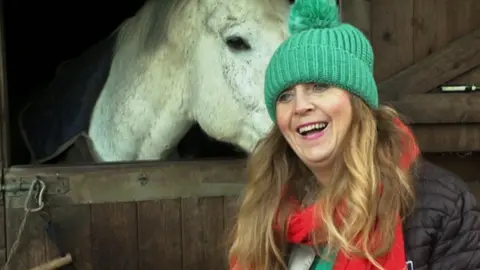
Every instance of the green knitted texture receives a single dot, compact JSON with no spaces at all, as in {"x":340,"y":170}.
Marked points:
{"x":321,"y":49}
{"x":322,"y":264}
{"x":319,"y":264}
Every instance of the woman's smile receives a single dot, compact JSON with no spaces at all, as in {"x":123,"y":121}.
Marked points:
{"x":312,"y":131}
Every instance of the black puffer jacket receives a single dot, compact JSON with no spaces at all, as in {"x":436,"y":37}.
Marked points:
{"x":443,"y":232}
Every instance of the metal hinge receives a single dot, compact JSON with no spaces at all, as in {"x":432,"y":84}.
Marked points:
{"x":55,"y":185}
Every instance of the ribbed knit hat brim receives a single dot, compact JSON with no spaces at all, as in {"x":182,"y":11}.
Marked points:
{"x":314,"y":63}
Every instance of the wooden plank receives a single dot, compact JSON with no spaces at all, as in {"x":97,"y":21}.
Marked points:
{"x":439,"y":108}
{"x":438,"y":22}
{"x":460,"y":19}
{"x":466,"y":19}
{"x":71,"y":223}
{"x":465,"y":164}
{"x":454,"y":59}
{"x":430,"y":29}
{"x":114,"y":236}
{"x":357,"y":13}
{"x":72,"y":228}
{"x":391,"y":36}
{"x":231,"y":206}
{"x":3,"y":249}
{"x":87,"y":184}
{"x":31,"y":250}
{"x":202,"y":233}
{"x":447,"y":137}
{"x":470,"y":77}
{"x":160,"y":235}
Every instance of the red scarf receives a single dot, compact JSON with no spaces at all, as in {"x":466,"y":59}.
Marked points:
{"x":301,"y":224}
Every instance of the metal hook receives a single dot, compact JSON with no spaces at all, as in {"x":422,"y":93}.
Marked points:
{"x":40,"y":194}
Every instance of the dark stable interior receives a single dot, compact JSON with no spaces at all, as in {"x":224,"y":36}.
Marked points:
{"x":43,"y":34}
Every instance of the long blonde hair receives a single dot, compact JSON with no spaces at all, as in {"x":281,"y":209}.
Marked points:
{"x":370,"y":156}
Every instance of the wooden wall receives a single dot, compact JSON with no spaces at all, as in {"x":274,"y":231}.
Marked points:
{"x":410,"y":35}
{"x":405,"y":32}
{"x":420,"y":45}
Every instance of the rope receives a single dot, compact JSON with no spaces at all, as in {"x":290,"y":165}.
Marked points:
{"x":28,"y":210}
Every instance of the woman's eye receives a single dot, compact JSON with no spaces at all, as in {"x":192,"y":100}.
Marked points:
{"x":284,"y":97}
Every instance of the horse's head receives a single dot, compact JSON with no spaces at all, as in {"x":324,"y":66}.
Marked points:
{"x":230,"y":61}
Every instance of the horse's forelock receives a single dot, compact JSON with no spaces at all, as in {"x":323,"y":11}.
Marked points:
{"x":152,"y":23}
{"x":274,"y":9}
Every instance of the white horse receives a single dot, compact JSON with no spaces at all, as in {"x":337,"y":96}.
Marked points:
{"x":178,"y":62}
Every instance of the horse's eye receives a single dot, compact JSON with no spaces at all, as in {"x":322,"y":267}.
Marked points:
{"x":237,"y":43}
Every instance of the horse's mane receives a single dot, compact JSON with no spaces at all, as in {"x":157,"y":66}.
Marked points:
{"x":148,"y":29}
{"x":139,"y":37}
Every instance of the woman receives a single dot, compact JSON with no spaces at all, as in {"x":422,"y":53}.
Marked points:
{"x":338,"y":183}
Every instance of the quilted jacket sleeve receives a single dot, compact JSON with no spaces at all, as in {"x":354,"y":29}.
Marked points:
{"x":458,"y":243}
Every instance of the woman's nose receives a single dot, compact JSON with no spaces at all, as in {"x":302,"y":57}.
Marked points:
{"x":302,"y":103}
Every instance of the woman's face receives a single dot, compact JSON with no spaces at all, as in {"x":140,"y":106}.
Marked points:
{"x":314,"y":119}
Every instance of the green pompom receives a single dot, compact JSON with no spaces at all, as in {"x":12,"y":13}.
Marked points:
{"x":308,"y":14}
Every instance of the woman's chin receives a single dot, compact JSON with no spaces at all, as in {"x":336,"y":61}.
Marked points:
{"x":318,"y":157}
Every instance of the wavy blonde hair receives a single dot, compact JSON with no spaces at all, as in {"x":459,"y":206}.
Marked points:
{"x":369,"y":156}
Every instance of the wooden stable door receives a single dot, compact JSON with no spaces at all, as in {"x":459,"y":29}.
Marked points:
{"x":128,"y":216}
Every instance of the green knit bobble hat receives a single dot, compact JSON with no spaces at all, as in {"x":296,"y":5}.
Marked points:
{"x":321,"y":49}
